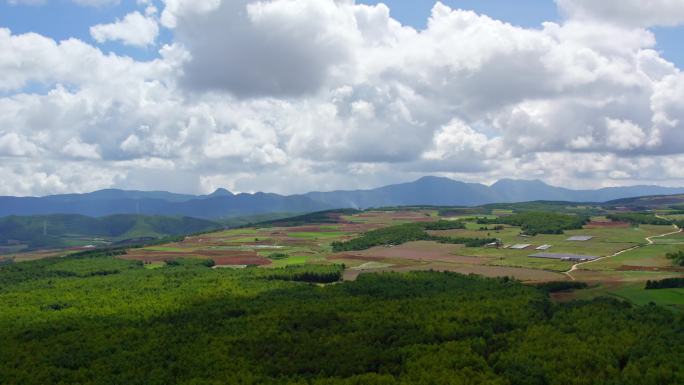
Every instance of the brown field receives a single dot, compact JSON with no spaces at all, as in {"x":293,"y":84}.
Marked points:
{"x":341,"y":256}
{"x":417,"y":251}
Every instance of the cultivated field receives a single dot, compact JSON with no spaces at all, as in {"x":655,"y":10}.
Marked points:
{"x":626,"y":258}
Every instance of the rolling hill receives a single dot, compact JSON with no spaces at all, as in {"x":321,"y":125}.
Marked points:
{"x":63,"y":230}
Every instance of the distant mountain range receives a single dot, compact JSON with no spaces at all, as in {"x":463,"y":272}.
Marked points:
{"x":224,"y":204}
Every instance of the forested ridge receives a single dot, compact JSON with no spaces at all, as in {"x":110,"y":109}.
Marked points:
{"x":189,"y":324}
{"x":639,"y":219}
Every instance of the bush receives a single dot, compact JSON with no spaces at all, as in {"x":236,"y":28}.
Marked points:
{"x":277,"y":256}
{"x":677,"y":257}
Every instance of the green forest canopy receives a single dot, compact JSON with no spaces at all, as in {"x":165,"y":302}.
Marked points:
{"x":189,"y":324}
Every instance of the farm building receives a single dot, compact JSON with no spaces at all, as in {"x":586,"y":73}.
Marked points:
{"x":520,"y":246}
{"x":565,"y":257}
{"x":543,"y":247}
{"x":580,"y":238}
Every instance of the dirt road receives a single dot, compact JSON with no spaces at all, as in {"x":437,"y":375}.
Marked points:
{"x":648,"y":239}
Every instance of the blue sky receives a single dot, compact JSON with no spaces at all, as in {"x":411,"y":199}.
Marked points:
{"x":62,"y":19}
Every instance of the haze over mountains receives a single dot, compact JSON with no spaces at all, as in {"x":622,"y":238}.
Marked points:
{"x":224,"y":204}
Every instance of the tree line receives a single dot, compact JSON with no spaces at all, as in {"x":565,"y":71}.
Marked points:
{"x":533,"y":223}
{"x":400,"y":234}
{"x":667,"y":283}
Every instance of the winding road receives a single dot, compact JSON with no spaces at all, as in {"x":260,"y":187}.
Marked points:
{"x":648,"y":239}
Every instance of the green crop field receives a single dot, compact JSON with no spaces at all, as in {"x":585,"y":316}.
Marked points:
{"x":293,"y":260}
{"x":523,"y":260}
{"x":635,"y":292}
{"x":649,"y":256}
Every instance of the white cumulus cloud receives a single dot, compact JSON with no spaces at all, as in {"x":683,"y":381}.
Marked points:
{"x":638,"y":13}
{"x":134,"y":29}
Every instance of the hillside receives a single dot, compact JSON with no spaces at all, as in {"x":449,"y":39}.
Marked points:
{"x":53,"y":231}
{"x":659,"y":201}
{"x":218,"y":205}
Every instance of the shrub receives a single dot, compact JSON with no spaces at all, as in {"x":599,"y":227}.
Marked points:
{"x":677,"y":257}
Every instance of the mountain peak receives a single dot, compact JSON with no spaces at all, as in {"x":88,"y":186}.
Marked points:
{"x":221,"y":192}
{"x":434,"y":179}
{"x":509,"y":182}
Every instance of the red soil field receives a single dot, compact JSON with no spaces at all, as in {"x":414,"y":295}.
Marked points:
{"x":352,"y":257}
